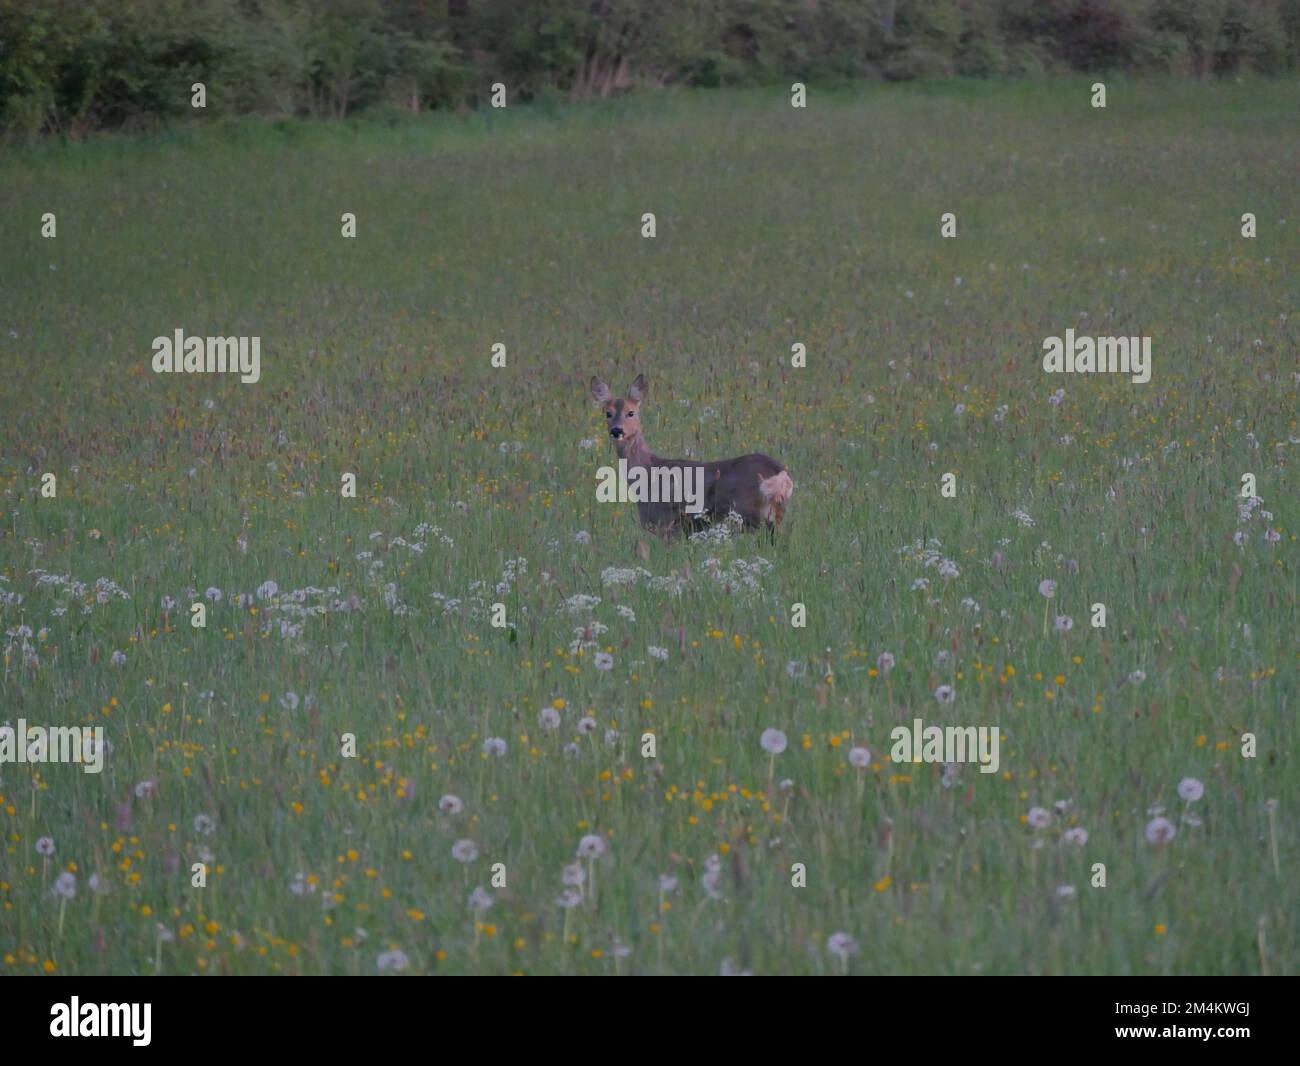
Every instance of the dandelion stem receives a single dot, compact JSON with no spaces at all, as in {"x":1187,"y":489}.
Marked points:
{"x":1272,"y":839}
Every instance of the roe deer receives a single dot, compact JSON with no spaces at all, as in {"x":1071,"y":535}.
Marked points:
{"x":755,"y":486}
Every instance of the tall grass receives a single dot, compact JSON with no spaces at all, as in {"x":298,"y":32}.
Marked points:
{"x":775,"y":226}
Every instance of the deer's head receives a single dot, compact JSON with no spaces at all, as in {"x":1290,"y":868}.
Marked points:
{"x":622,"y":417}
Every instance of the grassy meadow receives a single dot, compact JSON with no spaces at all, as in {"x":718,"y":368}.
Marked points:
{"x":476,"y":485}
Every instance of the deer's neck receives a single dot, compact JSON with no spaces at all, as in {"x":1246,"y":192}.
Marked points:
{"x":635,"y":452}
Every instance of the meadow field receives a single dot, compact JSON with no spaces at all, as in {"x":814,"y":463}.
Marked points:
{"x":500,"y":815}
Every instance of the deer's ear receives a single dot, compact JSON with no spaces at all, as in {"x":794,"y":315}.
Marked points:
{"x":636,"y":392}
{"x":600,"y":391}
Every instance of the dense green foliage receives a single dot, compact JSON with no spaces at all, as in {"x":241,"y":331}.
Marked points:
{"x":72,"y":66}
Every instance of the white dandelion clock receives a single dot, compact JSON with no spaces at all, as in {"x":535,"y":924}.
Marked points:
{"x":591,"y":847}
{"x":841,"y":945}
{"x":393,"y":961}
{"x":1160,"y":831}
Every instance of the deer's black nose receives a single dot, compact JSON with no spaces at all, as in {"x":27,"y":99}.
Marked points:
{"x":616,"y":433}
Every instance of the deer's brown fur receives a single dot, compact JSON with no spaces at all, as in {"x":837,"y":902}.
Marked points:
{"x":755,"y":486}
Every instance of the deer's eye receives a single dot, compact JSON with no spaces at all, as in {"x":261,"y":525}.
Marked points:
{"x":630,"y":414}
{"x":609,"y":414}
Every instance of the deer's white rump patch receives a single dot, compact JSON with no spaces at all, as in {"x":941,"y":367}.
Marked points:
{"x":776,"y":491}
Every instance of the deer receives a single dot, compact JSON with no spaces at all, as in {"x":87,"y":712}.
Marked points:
{"x":755,"y":486}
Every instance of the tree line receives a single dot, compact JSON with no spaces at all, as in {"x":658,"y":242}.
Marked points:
{"x":72,"y":67}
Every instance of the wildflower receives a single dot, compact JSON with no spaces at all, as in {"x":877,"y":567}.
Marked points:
{"x":859,"y":757}
{"x":945,"y":694}
{"x":660,"y":654}
{"x":583,"y":537}
{"x":773,"y":741}
{"x":494,"y":746}
{"x":479,"y":900}
{"x":1064,"y":623}
{"x":549,"y":718}
{"x":395,"y":960}
{"x":603,"y":660}
{"x":884,"y":662}
{"x":569,"y":898}
{"x":302,"y":885}
{"x":1137,"y":677}
{"x":1067,"y":891}
{"x":573,"y":875}
{"x":1039,"y":817}
{"x":145,"y":789}
{"x":118,"y":658}
{"x":1047,"y":588}
{"x":591,"y":847}
{"x":267,"y":589}
{"x":841,"y":945}
{"x":464,"y":851}
{"x":1078,"y":835}
{"x":611,"y":735}
{"x":65,"y":885}
{"x":795,"y":668}
{"x":1190,"y":790}
{"x":711,"y":882}
{"x":203,"y":824}
{"x":667,"y":883}
{"x":1160,"y":831}
{"x":450,"y":804}
{"x":586,"y":725}
{"x":289,"y":701}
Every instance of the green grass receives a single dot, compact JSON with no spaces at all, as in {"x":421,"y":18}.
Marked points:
{"x":775,"y":226}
